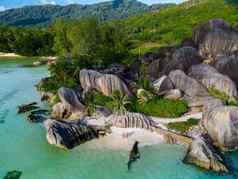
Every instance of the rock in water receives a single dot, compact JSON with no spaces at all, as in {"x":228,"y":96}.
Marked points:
{"x":228,"y":66}
{"x":134,"y":155}
{"x":211,"y":78}
{"x":188,"y":85}
{"x":131,"y":120}
{"x":27,"y":107}
{"x":88,"y":79}
{"x":183,"y":59}
{"x":221,"y":123}
{"x":13,"y":175}
{"x":216,"y":38}
{"x":162,"y":85}
{"x":71,"y":100}
{"x":203,"y":154}
{"x":68,"y":134}
{"x":109,"y":83}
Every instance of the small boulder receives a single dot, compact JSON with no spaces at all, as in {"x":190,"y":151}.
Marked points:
{"x":162,"y":85}
{"x":202,"y":154}
{"x":188,"y":85}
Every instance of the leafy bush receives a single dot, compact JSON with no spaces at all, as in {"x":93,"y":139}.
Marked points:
{"x":160,"y":107}
{"x":183,"y":126}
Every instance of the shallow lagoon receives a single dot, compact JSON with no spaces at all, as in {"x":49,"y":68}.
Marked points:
{"x":23,"y":145}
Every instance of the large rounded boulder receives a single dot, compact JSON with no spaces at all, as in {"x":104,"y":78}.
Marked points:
{"x":162,"y":85}
{"x":221,"y":123}
{"x":216,"y":38}
{"x":183,"y":59}
{"x":107,"y":84}
{"x":68,"y":134}
{"x":212,"y":79}
{"x":228,"y":66}
{"x":188,"y":85}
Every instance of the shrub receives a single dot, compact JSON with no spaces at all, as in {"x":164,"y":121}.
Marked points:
{"x":160,"y":107}
{"x":183,"y":126}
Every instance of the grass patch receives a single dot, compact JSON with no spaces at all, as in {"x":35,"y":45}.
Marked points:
{"x":183,"y":126}
{"x":160,"y":107}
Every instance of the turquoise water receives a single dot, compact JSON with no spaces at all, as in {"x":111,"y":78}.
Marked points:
{"x":23,"y":145}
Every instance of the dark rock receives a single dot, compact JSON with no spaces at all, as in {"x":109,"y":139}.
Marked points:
{"x":68,"y":134}
{"x":13,"y":175}
{"x":134,"y":155}
{"x":27,"y":107}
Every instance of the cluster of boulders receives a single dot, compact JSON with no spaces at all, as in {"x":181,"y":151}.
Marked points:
{"x":189,"y":72}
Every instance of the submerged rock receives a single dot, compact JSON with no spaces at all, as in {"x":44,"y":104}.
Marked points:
{"x":202,"y":154}
{"x":211,"y":78}
{"x":131,"y":120}
{"x":188,"y":85}
{"x":68,"y":134}
{"x":134,"y":155}
{"x":27,"y":107}
{"x":221,"y":123}
{"x":13,"y":175}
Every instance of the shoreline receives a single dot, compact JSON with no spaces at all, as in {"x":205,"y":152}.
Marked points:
{"x":2,"y":54}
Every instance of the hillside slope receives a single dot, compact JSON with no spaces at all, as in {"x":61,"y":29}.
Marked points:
{"x":174,"y":24}
{"x":43,"y":15}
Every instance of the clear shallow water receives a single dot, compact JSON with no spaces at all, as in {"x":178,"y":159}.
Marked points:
{"x":23,"y":145}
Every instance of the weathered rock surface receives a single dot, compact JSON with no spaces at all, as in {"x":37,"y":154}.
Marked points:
{"x":88,"y":79}
{"x":211,"y":78}
{"x":68,"y":134}
{"x":162,"y":85}
{"x":183,"y":59}
{"x":59,"y":111}
{"x":71,"y":100}
{"x":228,"y":66}
{"x":188,"y":85}
{"x":105,"y":83}
{"x":109,"y":83}
{"x":202,"y":154}
{"x":221,"y":123}
{"x":131,"y":120}
{"x":216,"y":38}
{"x":173,"y":94}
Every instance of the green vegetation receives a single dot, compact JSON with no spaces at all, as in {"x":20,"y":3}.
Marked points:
{"x":44,"y":15}
{"x":183,"y":126}
{"x":222,"y":96}
{"x":160,"y":107}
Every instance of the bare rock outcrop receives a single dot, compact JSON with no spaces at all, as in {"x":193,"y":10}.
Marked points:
{"x":131,"y":120}
{"x":221,"y":123}
{"x":68,"y":134}
{"x":183,"y":59}
{"x":188,"y":85}
{"x":162,"y":85}
{"x":202,"y":154}
{"x":173,"y":94}
{"x":211,"y":78}
{"x":228,"y":66}
{"x":216,"y":38}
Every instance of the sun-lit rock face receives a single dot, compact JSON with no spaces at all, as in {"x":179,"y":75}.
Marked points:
{"x":221,"y":123}
{"x":216,"y":38}
{"x":202,"y":154}
{"x":188,"y":85}
{"x":68,"y":134}
{"x":212,"y":79}
{"x":162,"y":85}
